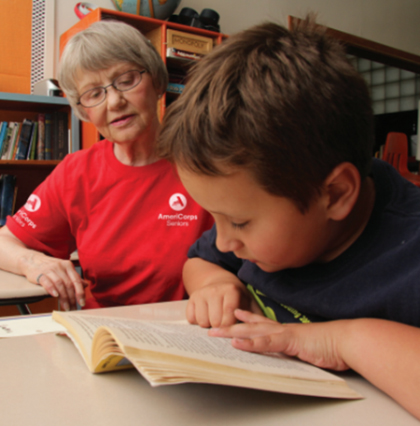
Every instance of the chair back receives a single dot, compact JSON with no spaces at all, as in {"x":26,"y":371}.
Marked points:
{"x":396,"y":151}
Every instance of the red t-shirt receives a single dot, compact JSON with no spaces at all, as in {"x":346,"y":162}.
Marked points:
{"x":132,"y":226}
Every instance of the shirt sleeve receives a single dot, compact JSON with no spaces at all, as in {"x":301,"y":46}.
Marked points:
{"x":42,"y":223}
{"x":205,"y":248}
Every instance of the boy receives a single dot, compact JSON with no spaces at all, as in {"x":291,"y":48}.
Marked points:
{"x":273,"y":136}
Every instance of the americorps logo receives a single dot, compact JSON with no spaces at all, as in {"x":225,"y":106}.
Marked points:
{"x":33,"y":203}
{"x":178,"y":202}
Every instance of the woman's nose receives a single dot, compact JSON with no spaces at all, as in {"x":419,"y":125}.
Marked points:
{"x":114,"y":97}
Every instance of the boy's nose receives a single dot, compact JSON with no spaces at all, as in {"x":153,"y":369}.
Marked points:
{"x":224,"y":243}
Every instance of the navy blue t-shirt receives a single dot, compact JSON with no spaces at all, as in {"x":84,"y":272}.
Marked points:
{"x":378,"y":276}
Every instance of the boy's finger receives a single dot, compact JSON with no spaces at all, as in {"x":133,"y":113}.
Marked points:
{"x":246,"y":316}
{"x":216,"y":314}
{"x":202,"y":313}
{"x":190,"y":312}
{"x":230,"y":304}
{"x":259,"y":344}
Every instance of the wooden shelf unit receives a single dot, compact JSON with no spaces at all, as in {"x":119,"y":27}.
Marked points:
{"x":154,"y":29}
{"x":30,"y":173}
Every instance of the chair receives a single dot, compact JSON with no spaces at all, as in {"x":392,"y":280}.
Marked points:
{"x":17,"y":290}
{"x":396,"y":154}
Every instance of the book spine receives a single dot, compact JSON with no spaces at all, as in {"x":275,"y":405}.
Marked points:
{"x":3,"y":131}
{"x":172,"y":52}
{"x":63,"y":143}
{"x":175,"y":88}
{"x":24,"y":140}
{"x":54,"y":135}
{"x":15,"y":141}
{"x":34,"y":140}
{"x":48,"y":136}
{"x":41,"y":137}
{"x":8,"y":141}
{"x":7,"y":197}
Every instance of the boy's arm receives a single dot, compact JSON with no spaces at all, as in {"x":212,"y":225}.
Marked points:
{"x":215,"y":293}
{"x":386,"y":353}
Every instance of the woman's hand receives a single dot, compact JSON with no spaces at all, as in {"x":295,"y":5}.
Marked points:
{"x":58,"y":277}
{"x":317,"y":343}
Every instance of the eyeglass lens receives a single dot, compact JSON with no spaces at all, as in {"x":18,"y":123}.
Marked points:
{"x":122,"y":83}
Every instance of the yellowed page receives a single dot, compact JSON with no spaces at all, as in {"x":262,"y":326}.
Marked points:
{"x":166,"y":353}
{"x":80,"y":329}
{"x":191,"y":341}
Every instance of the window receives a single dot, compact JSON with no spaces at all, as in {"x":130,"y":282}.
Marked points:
{"x":392,"y":89}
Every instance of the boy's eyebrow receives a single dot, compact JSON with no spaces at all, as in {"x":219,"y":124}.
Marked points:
{"x":226,"y":215}
{"x":213,"y":212}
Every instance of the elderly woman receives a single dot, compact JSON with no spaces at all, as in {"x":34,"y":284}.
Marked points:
{"x":122,"y":208}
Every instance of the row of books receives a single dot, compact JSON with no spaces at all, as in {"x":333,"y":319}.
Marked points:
{"x":45,"y":138}
{"x":182,"y":50}
{"x":8,"y":190}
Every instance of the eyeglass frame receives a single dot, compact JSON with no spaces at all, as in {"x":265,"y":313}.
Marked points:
{"x":109,"y":85}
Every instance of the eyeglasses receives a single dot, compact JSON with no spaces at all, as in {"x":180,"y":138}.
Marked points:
{"x":122,"y":83}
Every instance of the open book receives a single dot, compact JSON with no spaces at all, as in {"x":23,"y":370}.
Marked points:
{"x":177,"y":352}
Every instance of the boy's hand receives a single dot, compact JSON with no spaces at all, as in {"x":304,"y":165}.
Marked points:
{"x":214,"y":305}
{"x":317,"y":343}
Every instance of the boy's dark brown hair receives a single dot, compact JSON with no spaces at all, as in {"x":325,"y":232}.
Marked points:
{"x":287,"y":105}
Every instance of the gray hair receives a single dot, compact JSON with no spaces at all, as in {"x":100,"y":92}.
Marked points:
{"x":103,"y":44}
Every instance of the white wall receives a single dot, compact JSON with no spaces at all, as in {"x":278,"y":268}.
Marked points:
{"x":391,"y":22}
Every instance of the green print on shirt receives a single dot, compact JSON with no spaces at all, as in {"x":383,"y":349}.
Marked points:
{"x":269,"y":313}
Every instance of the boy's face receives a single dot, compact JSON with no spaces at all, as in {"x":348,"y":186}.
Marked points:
{"x":257,"y":226}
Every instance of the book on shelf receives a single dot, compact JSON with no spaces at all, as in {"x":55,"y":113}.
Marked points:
{"x":48,"y":142}
{"x":45,"y":137}
{"x":7,"y":197}
{"x":3,"y":131}
{"x":32,"y":145}
{"x":5,"y":143}
{"x":173,"y":52}
{"x":41,"y":137}
{"x":61,"y":147}
{"x":24,"y":140}
{"x":14,"y":142}
{"x":167,"y":353}
{"x":10,"y":134}
{"x":175,"y":88}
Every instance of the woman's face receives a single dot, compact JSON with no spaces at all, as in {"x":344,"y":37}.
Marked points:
{"x":123,"y":117}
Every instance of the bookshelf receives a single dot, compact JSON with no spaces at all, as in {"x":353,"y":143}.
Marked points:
{"x":157,"y":32}
{"x":30,"y":173}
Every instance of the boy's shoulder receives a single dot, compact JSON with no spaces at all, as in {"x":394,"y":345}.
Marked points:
{"x":393,"y":191}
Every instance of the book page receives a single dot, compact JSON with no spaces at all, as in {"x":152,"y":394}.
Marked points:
{"x":28,"y":325}
{"x":193,"y":342}
{"x":79,"y":330}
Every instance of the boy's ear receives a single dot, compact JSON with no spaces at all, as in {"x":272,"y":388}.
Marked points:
{"x":342,"y":188}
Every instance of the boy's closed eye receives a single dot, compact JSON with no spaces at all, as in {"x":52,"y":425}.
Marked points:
{"x":239,"y":225}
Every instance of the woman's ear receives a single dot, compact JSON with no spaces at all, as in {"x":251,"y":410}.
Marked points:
{"x":342,"y":188}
